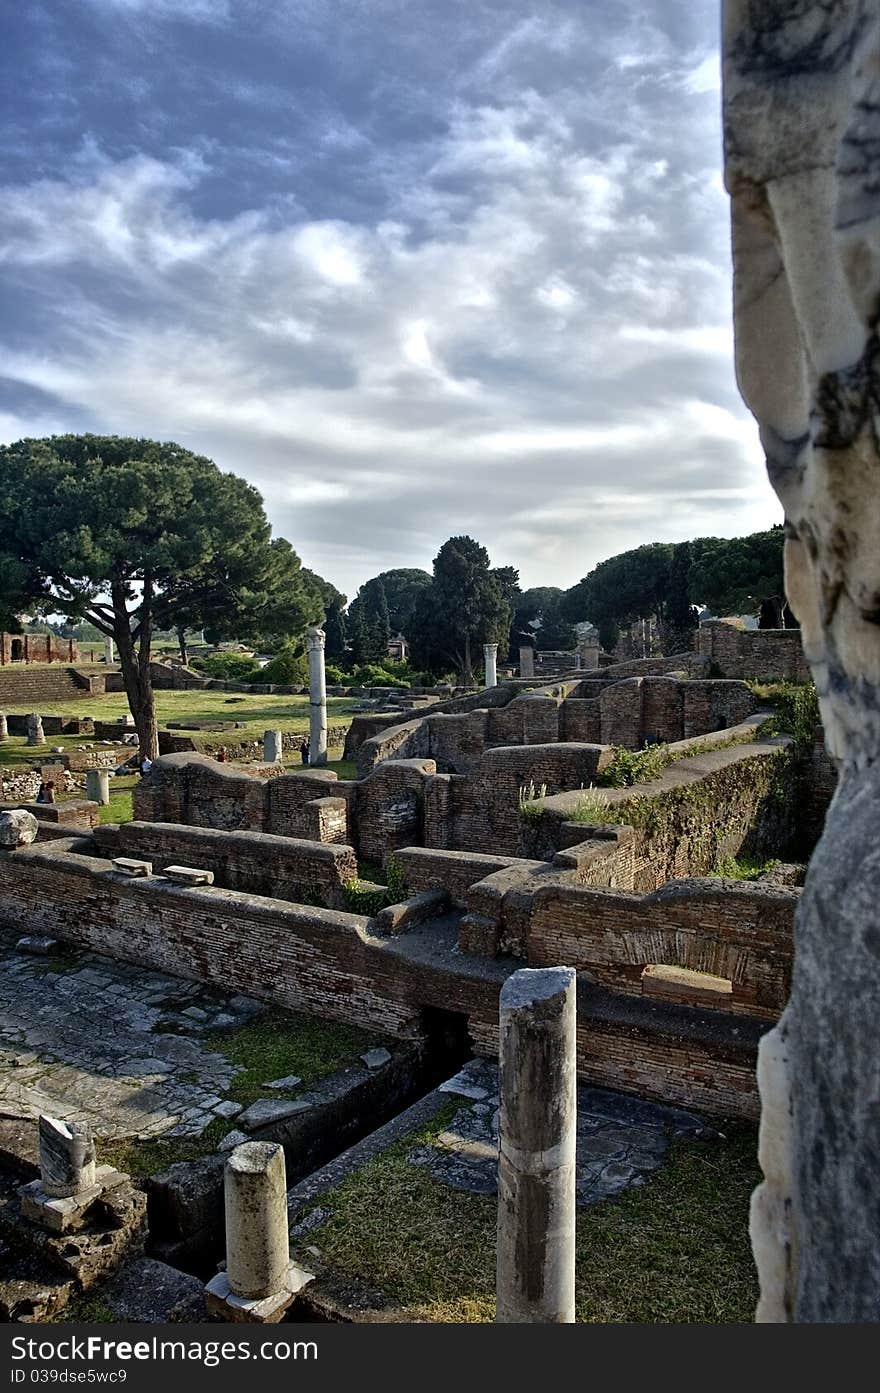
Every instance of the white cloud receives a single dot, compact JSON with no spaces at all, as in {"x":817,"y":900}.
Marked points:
{"x":526,"y":337}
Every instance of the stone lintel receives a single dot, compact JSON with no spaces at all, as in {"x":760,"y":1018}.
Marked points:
{"x":125,"y":865}
{"x":189,"y":875}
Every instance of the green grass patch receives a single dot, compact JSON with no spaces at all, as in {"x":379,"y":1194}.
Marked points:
{"x":674,"y":1250}
{"x":743,"y":867}
{"x":280,"y":1043}
{"x":119,"y":809}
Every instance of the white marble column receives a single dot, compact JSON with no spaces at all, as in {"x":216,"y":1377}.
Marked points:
{"x":317,"y":698}
{"x":490,"y":658}
{"x":108,"y":650}
{"x":257,"y":1250}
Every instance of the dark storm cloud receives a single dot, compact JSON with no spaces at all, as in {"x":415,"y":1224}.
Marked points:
{"x":413,"y":267}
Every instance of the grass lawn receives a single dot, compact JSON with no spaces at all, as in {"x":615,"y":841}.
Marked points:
{"x":257,"y":713}
{"x":674,"y":1250}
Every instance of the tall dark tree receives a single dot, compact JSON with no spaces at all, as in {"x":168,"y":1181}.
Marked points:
{"x":539,"y":612}
{"x":119,"y":531}
{"x":732,"y":575}
{"x":335,"y":629}
{"x":632,"y":585}
{"x":681,"y":617}
{"x":463,"y":608}
{"x":402,"y":587}
{"x":360,"y":637}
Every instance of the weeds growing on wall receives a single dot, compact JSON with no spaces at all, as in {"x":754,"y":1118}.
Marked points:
{"x":592,"y":806}
{"x":795,"y":711}
{"x":369,"y":897}
{"x":531,"y":801}
{"x":628,"y":767}
{"x":743,"y":867}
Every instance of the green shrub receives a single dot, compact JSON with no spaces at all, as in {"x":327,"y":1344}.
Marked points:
{"x":795,"y":711}
{"x":628,"y":767}
{"x":742,"y":868}
{"x":230,"y":667}
{"x":289,"y":668}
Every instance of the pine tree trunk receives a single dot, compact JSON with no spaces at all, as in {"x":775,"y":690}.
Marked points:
{"x":467,"y":675}
{"x":135,"y":664}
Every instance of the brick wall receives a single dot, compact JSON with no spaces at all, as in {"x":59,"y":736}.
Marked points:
{"x":744,"y":799}
{"x":739,"y":932}
{"x":285,"y":868}
{"x":759,"y":655}
{"x":327,"y":963}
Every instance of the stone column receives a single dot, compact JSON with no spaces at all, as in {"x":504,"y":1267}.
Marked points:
{"x":272,"y":747}
{"x":67,"y":1157}
{"x":98,"y":786}
{"x":257,"y":1249}
{"x":527,"y":660}
{"x":536,"y":1162}
{"x":490,"y":657}
{"x":108,"y":650}
{"x":35,"y":734}
{"x":802,"y":157}
{"x":4,"y":728}
{"x":317,"y":698}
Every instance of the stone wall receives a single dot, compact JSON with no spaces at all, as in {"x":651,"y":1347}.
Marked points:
{"x":284,"y":868}
{"x":758,"y":655}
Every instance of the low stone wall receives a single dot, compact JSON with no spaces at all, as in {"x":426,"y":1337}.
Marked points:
{"x":758,"y":655}
{"x":285,"y":868}
{"x":453,"y":871}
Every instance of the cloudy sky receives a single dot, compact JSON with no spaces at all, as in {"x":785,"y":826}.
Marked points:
{"x":413,"y":267}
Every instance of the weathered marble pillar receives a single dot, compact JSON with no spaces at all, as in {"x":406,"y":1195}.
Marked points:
{"x":802,"y":153}
{"x":490,"y":657}
{"x":109,"y":656}
{"x":35,"y":734}
{"x":4,"y":728}
{"x":257,"y":1248}
{"x":272,"y":747}
{"x":67,"y":1157}
{"x":536,"y":1137}
{"x":317,"y":698}
{"x":526,"y":660}
{"x":98,"y":786}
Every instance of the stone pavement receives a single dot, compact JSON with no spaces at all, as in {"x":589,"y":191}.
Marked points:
{"x":116,"y":1045}
{"x":620,"y":1139}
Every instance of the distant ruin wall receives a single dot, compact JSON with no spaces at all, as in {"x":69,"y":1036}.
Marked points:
{"x":757,"y":655}
{"x":37,"y":648}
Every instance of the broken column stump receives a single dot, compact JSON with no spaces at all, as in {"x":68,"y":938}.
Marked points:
{"x":260,"y":1281}
{"x":536,"y":1138}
